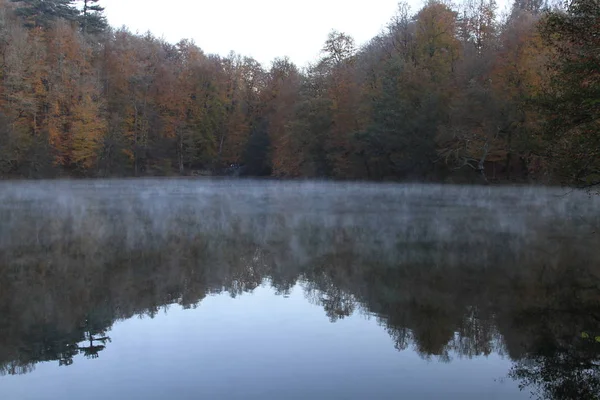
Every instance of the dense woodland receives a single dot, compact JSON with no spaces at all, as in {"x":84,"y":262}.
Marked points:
{"x":446,"y":92}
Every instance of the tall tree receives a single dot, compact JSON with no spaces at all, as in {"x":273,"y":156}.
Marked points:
{"x":339,"y":48}
{"x":572,"y":101}
{"x":92,"y":19}
{"x":280,"y":97}
{"x":436,"y":37}
{"x":470,"y":138}
{"x":43,"y":12}
{"x":343,"y":93}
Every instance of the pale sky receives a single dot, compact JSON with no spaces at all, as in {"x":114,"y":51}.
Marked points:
{"x":263,"y":29}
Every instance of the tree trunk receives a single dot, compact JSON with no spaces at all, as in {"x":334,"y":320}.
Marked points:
{"x":181,"y":154}
{"x":135,"y":141}
{"x":508,"y":156}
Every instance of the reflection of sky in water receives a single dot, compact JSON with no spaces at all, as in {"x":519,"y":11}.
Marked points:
{"x":260,"y":346}
{"x":448,"y":270}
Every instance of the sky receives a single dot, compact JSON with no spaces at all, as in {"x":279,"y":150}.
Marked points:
{"x":263,"y":29}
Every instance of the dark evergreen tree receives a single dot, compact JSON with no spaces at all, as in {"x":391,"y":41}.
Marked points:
{"x":42,"y":12}
{"x":92,"y":19}
{"x":572,"y":102}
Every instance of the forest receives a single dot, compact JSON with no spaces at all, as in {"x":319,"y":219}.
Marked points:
{"x":448,"y":93}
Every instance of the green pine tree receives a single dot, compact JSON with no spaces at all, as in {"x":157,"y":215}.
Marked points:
{"x":42,"y":12}
{"x":92,"y":19}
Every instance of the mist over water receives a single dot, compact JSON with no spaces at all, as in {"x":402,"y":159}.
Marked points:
{"x":424,"y":283}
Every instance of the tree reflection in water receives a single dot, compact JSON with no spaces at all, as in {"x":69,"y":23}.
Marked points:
{"x":446,"y":282}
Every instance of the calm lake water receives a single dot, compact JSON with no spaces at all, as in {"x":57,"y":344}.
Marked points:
{"x":189,"y":289}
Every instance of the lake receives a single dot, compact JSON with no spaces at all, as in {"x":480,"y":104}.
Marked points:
{"x":244,"y":289}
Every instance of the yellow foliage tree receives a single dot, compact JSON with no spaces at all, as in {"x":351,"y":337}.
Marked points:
{"x":88,"y":133}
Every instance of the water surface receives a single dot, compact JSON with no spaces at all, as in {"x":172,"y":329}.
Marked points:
{"x":191,"y":289}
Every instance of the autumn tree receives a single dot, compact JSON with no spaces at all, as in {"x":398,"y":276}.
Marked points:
{"x":343,"y":92}
{"x":243,"y":78}
{"x":88,"y":129}
{"x":338,"y":48}
{"x":194,"y":104}
{"x":437,"y":44}
{"x":24,"y":102}
{"x":469,"y":138}
{"x":518,"y":78}
{"x":280,"y":97}
{"x":477,"y":25}
{"x":118,"y":68}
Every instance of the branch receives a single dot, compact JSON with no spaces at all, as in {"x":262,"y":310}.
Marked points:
{"x":589,"y":185}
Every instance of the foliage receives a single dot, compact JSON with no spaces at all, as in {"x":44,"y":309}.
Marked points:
{"x":42,"y":12}
{"x":572,"y":101}
{"x":91,"y":19}
{"x":448,"y":92}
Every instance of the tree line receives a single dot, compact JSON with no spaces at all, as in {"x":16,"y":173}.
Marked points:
{"x":446,"y":93}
